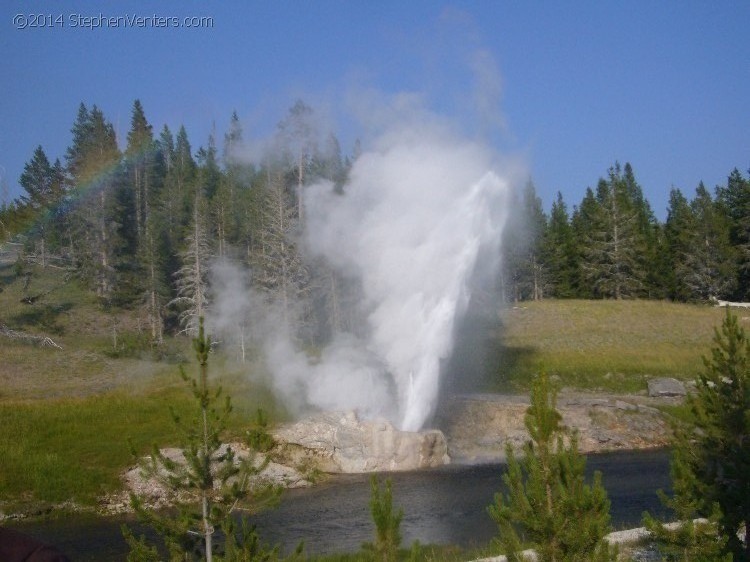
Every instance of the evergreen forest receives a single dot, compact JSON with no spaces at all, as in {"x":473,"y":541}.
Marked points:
{"x":142,"y":227}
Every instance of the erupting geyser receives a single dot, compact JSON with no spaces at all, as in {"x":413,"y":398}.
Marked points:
{"x":418,"y":211}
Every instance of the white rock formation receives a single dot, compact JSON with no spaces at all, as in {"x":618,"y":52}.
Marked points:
{"x":341,"y":443}
{"x":156,"y":494}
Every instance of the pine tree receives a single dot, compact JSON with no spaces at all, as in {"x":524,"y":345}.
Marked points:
{"x":536,"y":271}
{"x":183,"y":175}
{"x":700,"y":254}
{"x":250,"y":202}
{"x":512,"y":253}
{"x":155,"y":290}
{"x":678,"y":230}
{"x":612,"y":251}
{"x":222,"y":210}
{"x":331,"y":165}
{"x":336,"y":301}
{"x":525,"y":276}
{"x":208,"y":168}
{"x":232,"y":141}
{"x":387,"y":522}
{"x":691,"y":539}
{"x":93,"y":169}
{"x":211,"y":478}
{"x":661,"y":278}
{"x":298,"y":143}
{"x":548,"y":500}
{"x":647,"y":238}
{"x":58,"y":228}
{"x":558,"y":251}
{"x":582,"y":224}
{"x":710,"y":267}
{"x":170,"y":202}
{"x":11,"y":220}
{"x":735,"y":198}
{"x":139,"y":155}
{"x":236,"y":180}
{"x":175,"y":207}
{"x":37,"y":181}
{"x":715,"y":450}
{"x":45,"y":189}
{"x":76,"y":154}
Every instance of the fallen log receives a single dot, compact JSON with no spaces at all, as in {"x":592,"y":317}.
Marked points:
{"x":730,"y":304}
{"x":42,"y":341}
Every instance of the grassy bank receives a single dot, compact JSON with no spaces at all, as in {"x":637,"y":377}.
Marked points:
{"x":608,"y":345}
{"x":75,"y":448}
{"x":67,"y":415}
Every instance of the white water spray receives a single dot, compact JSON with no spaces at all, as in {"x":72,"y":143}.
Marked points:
{"x":417,"y":210}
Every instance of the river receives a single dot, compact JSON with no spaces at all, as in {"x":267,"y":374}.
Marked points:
{"x":445,"y":505}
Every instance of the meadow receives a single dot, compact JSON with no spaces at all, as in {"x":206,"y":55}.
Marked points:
{"x":606,"y":345}
{"x":69,"y":416}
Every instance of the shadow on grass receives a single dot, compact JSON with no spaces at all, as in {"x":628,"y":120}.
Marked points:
{"x":41,"y":316}
{"x":481,"y":362}
{"x":7,"y":275}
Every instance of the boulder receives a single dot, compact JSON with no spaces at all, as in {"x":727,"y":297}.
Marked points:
{"x":666,"y":387}
{"x":342,"y":443}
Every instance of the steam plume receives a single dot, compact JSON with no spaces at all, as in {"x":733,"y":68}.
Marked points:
{"x":418,"y":208}
{"x":421,"y":213}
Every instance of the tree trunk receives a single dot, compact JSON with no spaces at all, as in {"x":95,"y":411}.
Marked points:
{"x":221,"y":230}
{"x":137,"y":190}
{"x":335,"y":308}
{"x":242,"y":342}
{"x":208,"y":530}
{"x":300,"y":181}
{"x":616,"y":244}
{"x":146,"y":205}
{"x":103,"y":288}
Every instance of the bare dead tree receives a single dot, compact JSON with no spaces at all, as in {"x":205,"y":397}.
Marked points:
{"x":192,"y":277}
{"x":280,"y":269}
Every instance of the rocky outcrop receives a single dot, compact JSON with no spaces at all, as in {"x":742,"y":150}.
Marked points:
{"x":476,"y":430}
{"x":478,"y":427}
{"x":342,"y":443}
{"x":156,"y":494}
{"x":665,"y":386}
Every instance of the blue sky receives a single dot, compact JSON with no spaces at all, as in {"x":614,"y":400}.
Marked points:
{"x":570,"y":87}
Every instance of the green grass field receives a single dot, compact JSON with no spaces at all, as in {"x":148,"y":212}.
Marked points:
{"x":603,"y":345}
{"x":67,"y":415}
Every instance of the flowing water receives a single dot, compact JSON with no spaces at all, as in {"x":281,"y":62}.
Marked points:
{"x":446,"y":505}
